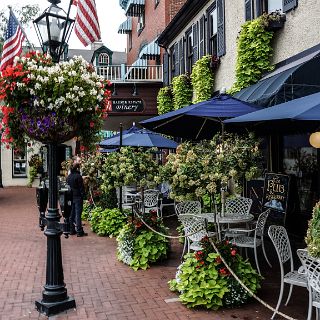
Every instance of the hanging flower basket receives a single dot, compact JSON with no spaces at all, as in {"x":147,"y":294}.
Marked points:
{"x":51,"y":102}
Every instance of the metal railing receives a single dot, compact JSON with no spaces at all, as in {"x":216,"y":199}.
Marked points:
{"x":133,"y":73}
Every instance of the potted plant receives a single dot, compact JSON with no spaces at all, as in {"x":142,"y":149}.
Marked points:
{"x":274,"y":21}
{"x":313,"y":233}
{"x":50,"y":102}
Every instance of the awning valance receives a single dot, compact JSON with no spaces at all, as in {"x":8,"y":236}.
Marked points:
{"x":150,"y":51}
{"x":291,"y":81}
{"x":135,"y":8}
{"x":126,"y":26}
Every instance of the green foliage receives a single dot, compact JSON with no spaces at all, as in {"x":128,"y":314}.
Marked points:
{"x":182,"y":91}
{"x":199,"y":169}
{"x":165,"y":100}
{"x":130,"y":166}
{"x":253,"y":53}
{"x":138,"y":246}
{"x":204,"y":281}
{"x":86,"y":211}
{"x":107,"y":222}
{"x":313,"y":233}
{"x":32,"y":174}
{"x":202,"y":79}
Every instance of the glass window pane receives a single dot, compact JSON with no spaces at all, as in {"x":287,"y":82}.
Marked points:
{"x":274,"y":5}
{"x":213,"y":22}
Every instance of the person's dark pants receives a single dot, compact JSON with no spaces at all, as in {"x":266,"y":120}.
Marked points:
{"x":75,"y":218}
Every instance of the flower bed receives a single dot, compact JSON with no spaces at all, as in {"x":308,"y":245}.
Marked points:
{"x":203,"y":280}
{"x":138,"y":246}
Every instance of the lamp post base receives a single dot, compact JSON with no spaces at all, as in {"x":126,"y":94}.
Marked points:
{"x":53,"y":308}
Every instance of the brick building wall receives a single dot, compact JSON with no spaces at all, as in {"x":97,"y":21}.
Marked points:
{"x":175,"y":6}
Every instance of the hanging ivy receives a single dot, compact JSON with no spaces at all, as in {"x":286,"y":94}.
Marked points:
{"x":182,"y":91}
{"x":202,"y":79}
{"x":165,"y":100}
{"x":253,"y":53}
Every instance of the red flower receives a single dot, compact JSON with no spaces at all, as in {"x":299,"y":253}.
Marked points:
{"x":91,"y":124}
{"x":218,"y":260}
{"x":233,"y":252}
{"x":82,"y":148}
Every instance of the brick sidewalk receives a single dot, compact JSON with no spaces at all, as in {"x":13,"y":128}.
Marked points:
{"x":103,"y":288}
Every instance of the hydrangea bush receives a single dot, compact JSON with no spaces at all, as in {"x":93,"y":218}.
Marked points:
{"x":313,"y":233}
{"x":52,"y":102}
{"x":196,"y":170}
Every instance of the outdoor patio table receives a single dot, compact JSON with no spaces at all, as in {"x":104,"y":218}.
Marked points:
{"x":227,"y":219}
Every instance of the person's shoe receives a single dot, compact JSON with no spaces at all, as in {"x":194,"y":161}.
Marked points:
{"x":82,"y":234}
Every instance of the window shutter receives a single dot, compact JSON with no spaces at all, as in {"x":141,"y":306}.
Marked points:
{"x":166,"y":69}
{"x":181,"y":56}
{"x":289,"y":4}
{"x":248,"y":10}
{"x":195,"y":43}
{"x":221,"y":50}
{"x":201,"y":37}
{"x":176,"y":62}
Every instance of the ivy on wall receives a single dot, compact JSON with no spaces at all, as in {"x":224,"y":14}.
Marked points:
{"x":165,"y":100}
{"x":202,"y":79}
{"x":254,"y":51}
{"x":182,"y":91}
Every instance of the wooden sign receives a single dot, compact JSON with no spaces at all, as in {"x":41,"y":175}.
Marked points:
{"x":127,"y":105}
{"x":276,"y":192}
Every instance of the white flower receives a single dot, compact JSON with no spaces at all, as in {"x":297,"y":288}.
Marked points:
{"x":37,"y":86}
{"x":35,"y":103}
{"x":93,"y":92}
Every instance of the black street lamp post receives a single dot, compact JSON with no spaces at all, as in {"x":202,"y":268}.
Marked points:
{"x":53,"y":28}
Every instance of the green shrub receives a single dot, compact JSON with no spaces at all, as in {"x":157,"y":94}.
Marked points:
{"x":32,"y":175}
{"x":202,"y":79}
{"x":182,"y":91}
{"x":138,"y":246}
{"x":203,"y":280}
{"x":165,"y":100}
{"x":313,"y":233}
{"x":107,"y":222}
{"x":86,"y":211}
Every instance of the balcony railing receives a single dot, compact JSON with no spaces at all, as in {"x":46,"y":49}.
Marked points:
{"x":125,"y":73}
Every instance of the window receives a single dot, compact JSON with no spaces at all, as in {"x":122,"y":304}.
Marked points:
{"x":141,"y":23}
{"x":19,"y":163}
{"x":189,"y":50}
{"x":212,"y":32}
{"x":103,"y":58}
{"x":173,"y":61}
{"x":274,"y":5}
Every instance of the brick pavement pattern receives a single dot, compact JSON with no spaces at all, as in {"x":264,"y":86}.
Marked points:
{"x":104,"y":288}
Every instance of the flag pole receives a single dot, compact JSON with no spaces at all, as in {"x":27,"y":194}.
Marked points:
{"x":30,"y":44}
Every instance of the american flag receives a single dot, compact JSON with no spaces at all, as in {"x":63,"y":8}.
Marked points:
{"x":87,"y":25}
{"x":12,"y":45}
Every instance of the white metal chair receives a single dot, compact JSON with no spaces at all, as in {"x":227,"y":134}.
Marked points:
{"x":150,"y":200}
{"x":164,"y":197}
{"x":255,"y":241}
{"x":195,"y":228}
{"x":280,"y":240}
{"x":190,"y":207}
{"x":312,"y":270}
{"x":237,"y":206}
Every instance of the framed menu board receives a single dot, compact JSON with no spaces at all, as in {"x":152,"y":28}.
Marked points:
{"x":276,"y":191}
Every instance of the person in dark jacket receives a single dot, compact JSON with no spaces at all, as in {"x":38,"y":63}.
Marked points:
{"x":75,"y":182}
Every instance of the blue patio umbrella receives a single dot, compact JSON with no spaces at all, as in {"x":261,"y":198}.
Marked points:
{"x":140,"y":138}
{"x":201,"y":120}
{"x":295,"y":116}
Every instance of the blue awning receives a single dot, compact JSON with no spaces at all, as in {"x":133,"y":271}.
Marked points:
{"x":288,"y":82}
{"x":125,"y":27}
{"x":135,"y":8}
{"x":123,"y":4}
{"x":150,"y":51}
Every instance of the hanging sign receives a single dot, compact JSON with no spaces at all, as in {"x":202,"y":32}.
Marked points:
{"x":276,"y":191}
{"x":127,"y":105}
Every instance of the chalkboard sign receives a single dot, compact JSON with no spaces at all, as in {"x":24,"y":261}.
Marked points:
{"x":127,"y":105}
{"x":276,"y":192}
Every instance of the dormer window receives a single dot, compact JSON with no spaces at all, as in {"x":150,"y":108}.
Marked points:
{"x":103,"y":59}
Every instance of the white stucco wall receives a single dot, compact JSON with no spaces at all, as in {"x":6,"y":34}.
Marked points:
{"x":301,"y":31}
{"x":6,"y":165}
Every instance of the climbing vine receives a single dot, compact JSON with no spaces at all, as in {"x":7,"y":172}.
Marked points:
{"x":202,"y":79}
{"x":182,"y":91}
{"x":165,"y":100}
{"x":253,"y":53}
